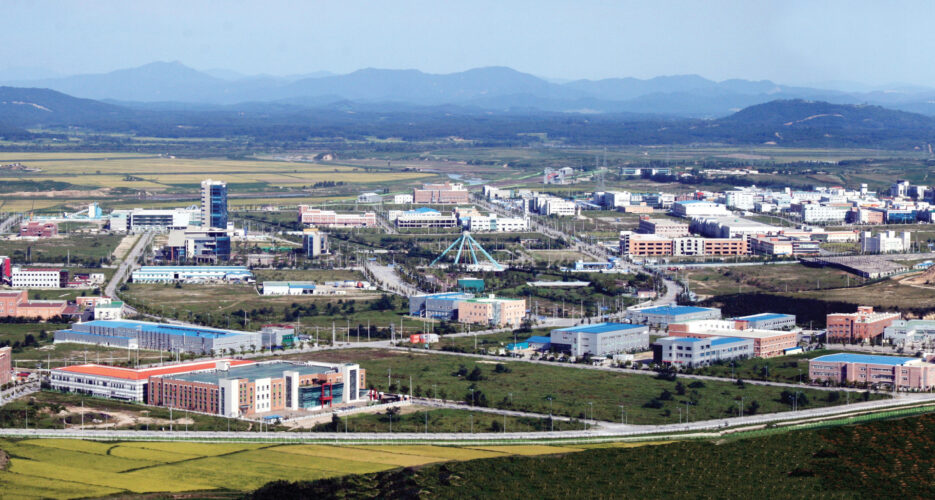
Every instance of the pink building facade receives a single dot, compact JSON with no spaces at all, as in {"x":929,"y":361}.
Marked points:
{"x":901,"y":372}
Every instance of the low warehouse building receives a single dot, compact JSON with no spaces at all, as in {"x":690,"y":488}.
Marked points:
{"x":666,"y":315}
{"x":600,"y":339}
{"x":191,"y":274}
{"x":691,"y":352}
{"x":442,"y":306}
{"x":766,"y":343}
{"x":766,"y":321}
{"x":904,"y":373}
{"x":160,"y":337}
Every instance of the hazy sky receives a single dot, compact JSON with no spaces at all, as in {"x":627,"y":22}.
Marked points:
{"x":787,"y":41}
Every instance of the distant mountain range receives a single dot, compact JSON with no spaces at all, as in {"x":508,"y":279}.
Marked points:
{"x":497,"y":89}
{"x":782,"y":122}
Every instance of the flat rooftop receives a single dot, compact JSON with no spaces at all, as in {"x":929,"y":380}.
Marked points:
{"x":765,"y":316}
{"x":188,"y":330}
{"x":252,"y":372}
{"x":674,"y":310}
{"x":145,"y":373}
{"x":600,"y":328}
{"x":874,"y":359}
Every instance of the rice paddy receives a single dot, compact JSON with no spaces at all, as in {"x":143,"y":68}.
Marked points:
{"x":62,"y":468}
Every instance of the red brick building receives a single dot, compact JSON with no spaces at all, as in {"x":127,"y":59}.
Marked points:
{"x":38,"y":229}
{"x":16,"y":303}
{"x":445,"y":194}
{"x":6,"y":365}
{"x":861,"y":325}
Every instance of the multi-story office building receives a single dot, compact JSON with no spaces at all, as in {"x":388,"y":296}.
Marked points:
{"x":667,"y":228}
{"x":644,"y":244}
{"x":494,"y":223}
{"x":38,"y":277}
{"x":692,"y":352}
{"x":160,"y":337}
{"x":214,"y":204}
{"x":492,"y":311}
{"x":202,"y":245}
{"x":127,"y":384}
{"x":314,"y":243}
{"x":422,"y":217}
{"x":815,"y":213}
{"x":143,"y":219}
{"x":910,"y":331}
{"x":885,"y":242}
{"x":865,"y":324}
{"x":891,"y":371}
{"x":600,"y":339}
{"x":237,"y":391}
{"x":330,"y":218}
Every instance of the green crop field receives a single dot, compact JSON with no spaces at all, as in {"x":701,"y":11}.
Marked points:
{"x":519,"y":385}
{"x":881,"y":459}
{"x":79,"y":469}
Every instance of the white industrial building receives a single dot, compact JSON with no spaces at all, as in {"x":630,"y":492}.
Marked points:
{"x":691,"y":352}
{"x":698,"y":208}
{"x":813,"y":212}
{"x":142,"y":219}
{"x":38,"y":277}
{"x":601,"y":339}
{"x":494,"y":223}
{"x":422,"y":217}
{"x":739,"y":200}
{"x":885,"y":242}
{"x":191,"y":274}
{"x":402,"y":199}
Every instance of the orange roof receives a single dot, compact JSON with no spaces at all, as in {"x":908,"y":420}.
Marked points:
{"x":145,"y":373}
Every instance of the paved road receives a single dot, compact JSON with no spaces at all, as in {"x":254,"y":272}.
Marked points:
{"x":387,"y":279}
{"x":606,"y":430}
{"x":8,"y":223}
{"x":128,"y":264}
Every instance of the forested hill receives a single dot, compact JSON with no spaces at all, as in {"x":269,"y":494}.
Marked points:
{"x":785,"y":122}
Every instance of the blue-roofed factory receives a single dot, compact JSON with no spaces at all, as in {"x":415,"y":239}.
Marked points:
{"x":442,"y":306}
{"x":768,"y":321}
{"x":160,"y":336}
{"x":191,"y":274}
{"x":666,"y":315}
{"x":600,"y":339}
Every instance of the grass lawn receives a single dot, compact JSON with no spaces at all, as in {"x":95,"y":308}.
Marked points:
{"x":889,"y":294}
{"x":413,"y":419}
{"x":78,"y":249}
{"x":766,"y":278}
{"x":572,"y":389}
{"x":316,"y":275}
{"x":781,"y":369}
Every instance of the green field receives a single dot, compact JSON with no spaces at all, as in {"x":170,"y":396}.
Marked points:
{"x":766,"y":278}
{"x":78,"y":249}
{"x":647,"y":399}
{"x":881,"y":459}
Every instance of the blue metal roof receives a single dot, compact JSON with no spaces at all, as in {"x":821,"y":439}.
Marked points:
{"x":675,"y":310}
{"x":423,"y":210}
{"x":686,"y":339}
{"x":600,"y":328}
{"x":865,"y":358}
{"x":726,"y":340}
{"x":766,"y":316}
{"x":186,"y":330}
{"x":538,"y":339}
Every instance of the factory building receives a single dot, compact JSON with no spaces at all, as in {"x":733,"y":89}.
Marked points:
{"x":35,"y":229}
{"x":766,"y":321}
{"x":495,"y":223}
{"x":402,"y":199}
{"x":441,"y":194}
{"x":244,"y":391}
{"x":667,"y":228}
{"x":441,"y":306}
{"x":16,"y":304}
{"x":910,"y":331}
{"x":600,"y":339}
{"x":126,"y":384}
{"x":38,"y":277}
{"x":160,"y":337}
{"x":766,"y":343}
{"x":492,"y":311}
{"x":885,"y":242}
{"x":139,"y":219}
{"x":197,"y":244}
{"x":698,"y":208}
{"x":666,"y":315}
{"x":330,"y":218}
{"x":891,"y":371}
{"x":192,"y":274}
{"x":865,"y":324}
{"x":644,"y":244}
{"x":422,"y":217}
{"x":691,"y":352}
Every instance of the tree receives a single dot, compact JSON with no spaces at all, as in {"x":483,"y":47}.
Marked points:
{"x":475,"y":374}
{"x":754,"y":407}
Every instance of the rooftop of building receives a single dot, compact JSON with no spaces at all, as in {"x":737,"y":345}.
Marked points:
{"x":599,"y":328}
{"x":187,"y":330}
{"x":670,"y":310}
{"x":765,"y":317}
{"x":726,"y":340}
{"x":192,"y":268}
{"x":445,"y":295}
{"x":492,"y":299}
{"x":874,"y":359}
{"x":145,"y":373}
{"x":539,"y":339}
{"x":253,"y":372}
